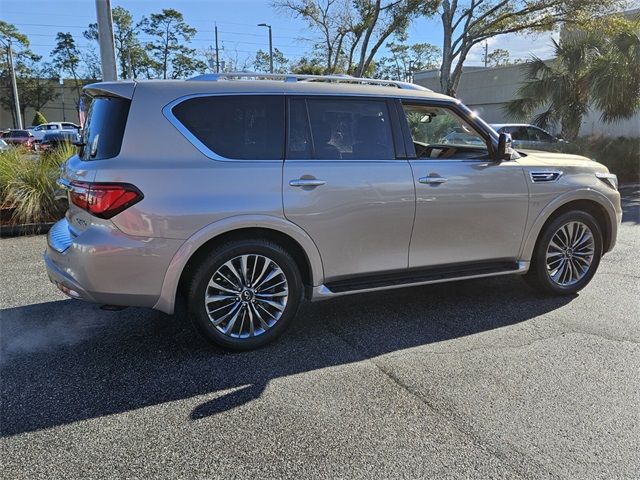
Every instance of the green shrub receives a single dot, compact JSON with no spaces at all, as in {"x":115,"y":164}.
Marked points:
{"x":28,"y":185}
{"x":38,"y":119}
{"x":621,"y":155}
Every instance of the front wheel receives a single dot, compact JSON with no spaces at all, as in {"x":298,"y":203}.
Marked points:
{"x":245,"y":294}
{"x":567,"y":254}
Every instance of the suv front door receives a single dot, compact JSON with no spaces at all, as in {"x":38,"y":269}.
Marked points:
{"x":469,"y":208}
{"x":344,"y":185}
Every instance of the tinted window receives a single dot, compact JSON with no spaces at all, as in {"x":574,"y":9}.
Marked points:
{"x":517,"y":133}
{"x":104,"y":128}
{"x":19,"y":134}
{"x":341,"y":129}
{"x":245,"y":127}
{"x":299,"y":146}
{"x":539,"y":135}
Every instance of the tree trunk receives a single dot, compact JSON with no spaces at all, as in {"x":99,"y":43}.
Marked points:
{"x":454,"y":79}
{"x":447,"y":51}
{"x":365,"y":42}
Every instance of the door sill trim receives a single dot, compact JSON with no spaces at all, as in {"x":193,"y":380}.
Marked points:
{"x":412,"y":279}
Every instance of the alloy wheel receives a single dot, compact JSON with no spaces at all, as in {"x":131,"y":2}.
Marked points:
{"x":570,"y":253}
{"x":246,"y":296}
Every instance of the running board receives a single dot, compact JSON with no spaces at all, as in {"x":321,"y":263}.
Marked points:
{"x":415,"y":277}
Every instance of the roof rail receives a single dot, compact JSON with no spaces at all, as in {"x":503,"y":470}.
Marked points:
{"x":294,"y":77}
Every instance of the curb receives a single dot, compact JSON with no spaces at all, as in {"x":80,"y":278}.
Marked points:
{"x":7,"y":231}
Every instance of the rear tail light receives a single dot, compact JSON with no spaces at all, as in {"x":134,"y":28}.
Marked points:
{"x":104,"y":200}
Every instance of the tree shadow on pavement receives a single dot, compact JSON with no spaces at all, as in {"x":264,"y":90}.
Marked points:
{"x":67,"y":361}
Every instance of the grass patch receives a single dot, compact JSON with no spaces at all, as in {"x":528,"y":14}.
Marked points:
{"x":28,"y":184}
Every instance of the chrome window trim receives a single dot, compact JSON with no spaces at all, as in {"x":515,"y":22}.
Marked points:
{"x":167,"y":112}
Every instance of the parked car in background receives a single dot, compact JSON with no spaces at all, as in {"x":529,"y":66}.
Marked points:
{"x":526,"y":136}
{"x":3,"y":145}
{"x":461,"y":136}
{"x":39,"y":131}
{"x":247,"y":210}
{"x":53,"y":140}
{"x":20,"y":137}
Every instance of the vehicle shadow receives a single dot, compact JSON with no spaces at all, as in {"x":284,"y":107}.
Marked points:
{"x":67,"y":361}
{"x":630,"y":199}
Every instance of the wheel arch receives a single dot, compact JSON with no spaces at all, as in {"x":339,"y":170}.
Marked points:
{"x":589,"y":201}
{"x":278,"y":230}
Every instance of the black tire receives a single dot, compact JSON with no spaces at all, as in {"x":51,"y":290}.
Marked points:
{"x":539,"y":276}
{"x":199,"y":286}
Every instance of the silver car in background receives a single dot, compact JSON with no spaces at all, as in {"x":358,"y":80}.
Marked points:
{"x":252,"y":192}
{"x":526,"y":136}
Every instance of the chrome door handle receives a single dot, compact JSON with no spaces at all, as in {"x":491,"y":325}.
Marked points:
{"x":432,"y":180}
{"x":306,"y":182}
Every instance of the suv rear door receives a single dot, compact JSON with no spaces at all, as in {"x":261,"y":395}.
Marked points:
{"x":469,"y":208}
{"x":345,"y":185}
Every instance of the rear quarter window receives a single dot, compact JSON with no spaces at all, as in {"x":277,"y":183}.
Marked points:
{"x":242,"y":127}
{"x":104,"y":129}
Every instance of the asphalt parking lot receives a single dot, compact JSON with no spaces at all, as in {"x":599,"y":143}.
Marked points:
{"x":477,"y":379}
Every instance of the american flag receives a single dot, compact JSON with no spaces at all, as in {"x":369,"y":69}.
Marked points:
{"x":81,"y":112}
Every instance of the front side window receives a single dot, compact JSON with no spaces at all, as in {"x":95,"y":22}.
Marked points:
{"x":242,"y":127}
{"x":438,"y":132}
{"x":340,"y":129}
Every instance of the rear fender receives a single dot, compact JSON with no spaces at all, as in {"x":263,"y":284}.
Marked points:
{"x":166,"y":302}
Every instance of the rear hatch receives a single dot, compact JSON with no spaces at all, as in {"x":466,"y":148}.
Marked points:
{"x":100,"y":142}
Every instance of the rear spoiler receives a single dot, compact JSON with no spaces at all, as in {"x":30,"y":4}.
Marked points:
{"x":123,"y":89}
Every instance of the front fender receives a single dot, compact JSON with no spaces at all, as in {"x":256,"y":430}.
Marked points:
{"x":166,"y":302}
{"x":588,"y":194}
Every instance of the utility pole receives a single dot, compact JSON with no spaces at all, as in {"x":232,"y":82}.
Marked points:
{"x":14,"y":87}
{"x":486,"y":53}
{"x":270,"y":46}
{"x":64,"y":114}
{"x":105,"y":39}
{"x":215,"y":26}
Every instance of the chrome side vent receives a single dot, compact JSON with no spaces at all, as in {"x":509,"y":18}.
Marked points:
{"x":545,"y":176}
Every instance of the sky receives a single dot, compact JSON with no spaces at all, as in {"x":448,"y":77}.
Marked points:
{"x":237,"y":23}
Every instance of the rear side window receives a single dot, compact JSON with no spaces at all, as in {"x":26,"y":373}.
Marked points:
{"x":340,"y":129}
{"x":104,"y":129}
{"x":243,"y":127}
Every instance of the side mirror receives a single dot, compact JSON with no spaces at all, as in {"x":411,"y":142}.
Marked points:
{"x":504,"y":147}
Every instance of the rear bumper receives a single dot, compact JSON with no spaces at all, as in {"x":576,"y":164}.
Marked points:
{"x":103,"y":265}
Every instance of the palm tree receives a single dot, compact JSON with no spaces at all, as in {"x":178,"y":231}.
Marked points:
{"x":614,"y":74}
{"x":560,"y":87}
{"x":592,"y":69}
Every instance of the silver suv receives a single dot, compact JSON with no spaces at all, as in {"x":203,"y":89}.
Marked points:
{"x":249,"y":193}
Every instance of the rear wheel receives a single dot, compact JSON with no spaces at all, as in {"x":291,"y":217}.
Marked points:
{"x":245,"y":294}
{"x":567,"y":254}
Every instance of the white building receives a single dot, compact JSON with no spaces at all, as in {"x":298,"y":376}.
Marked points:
{"x":487,"y":91}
